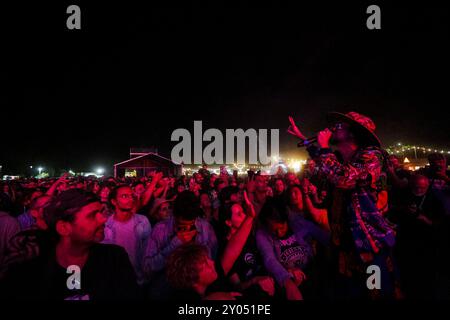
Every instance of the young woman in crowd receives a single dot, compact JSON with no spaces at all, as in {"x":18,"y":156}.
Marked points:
{"x":240,"y":260}
{"x":103,"y":194}
{"x":287,"y":243}
{"x":206,"y":206}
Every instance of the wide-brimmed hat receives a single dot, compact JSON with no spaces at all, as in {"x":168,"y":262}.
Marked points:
{"x":362,"y":125}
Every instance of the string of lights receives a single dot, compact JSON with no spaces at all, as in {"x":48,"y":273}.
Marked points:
{"x":418,"y":150}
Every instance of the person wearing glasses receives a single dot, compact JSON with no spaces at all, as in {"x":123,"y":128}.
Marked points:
{"x":183,"y":227}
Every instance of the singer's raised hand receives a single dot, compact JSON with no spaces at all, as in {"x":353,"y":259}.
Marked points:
{"x":294,"y":130}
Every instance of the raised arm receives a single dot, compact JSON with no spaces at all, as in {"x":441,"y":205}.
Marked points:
{"x":320,"y":216}
{"x":237,"y":242}
{"x":147,"y":195}
{"x":63,"y":179}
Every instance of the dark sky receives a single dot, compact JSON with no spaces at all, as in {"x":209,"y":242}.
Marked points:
{"x":79,"y":99}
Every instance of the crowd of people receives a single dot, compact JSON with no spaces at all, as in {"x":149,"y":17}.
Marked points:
{"x":223,"y":237}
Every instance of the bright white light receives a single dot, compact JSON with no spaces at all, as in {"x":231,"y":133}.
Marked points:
{"x":296,"y":166}
{"x":40,"y":170}
{"x":100,"y":170}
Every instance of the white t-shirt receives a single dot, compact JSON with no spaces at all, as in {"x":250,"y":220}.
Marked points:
{"x":126,"y":238}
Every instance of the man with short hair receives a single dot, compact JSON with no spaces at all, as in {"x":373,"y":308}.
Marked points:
{"x":437,"y":172}
{"x":420,"y":218}
{"x":75,"y":266}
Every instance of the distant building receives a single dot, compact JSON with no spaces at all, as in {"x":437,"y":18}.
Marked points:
{"x":143,"y":161}
{"x":414,"y":164}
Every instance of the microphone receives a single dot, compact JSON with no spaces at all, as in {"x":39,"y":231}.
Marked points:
{"x":313,"y":139}
{"x":307,"y":141}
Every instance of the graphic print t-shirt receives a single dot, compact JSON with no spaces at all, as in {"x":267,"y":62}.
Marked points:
{"x":292,"y":254}
{"x":249,"y":262}
{"x":107,"y":275}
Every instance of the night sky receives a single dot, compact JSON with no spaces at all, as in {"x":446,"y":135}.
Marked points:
{"x":80,"y":98}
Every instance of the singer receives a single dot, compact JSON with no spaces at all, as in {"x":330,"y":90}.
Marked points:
{"x":361,"y":235}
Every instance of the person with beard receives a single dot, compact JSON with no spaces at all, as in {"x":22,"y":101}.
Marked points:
{"x":437,"y":172}
{"x":419,"y":215}
{"x":127,"y":229}
{"x":361,"y":235}
{"x":76,"y":223}
{"x":23,"y":245}
{"x":439,"y":178}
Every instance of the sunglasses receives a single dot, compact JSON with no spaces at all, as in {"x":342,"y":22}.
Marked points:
{"x":338,"y":126}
